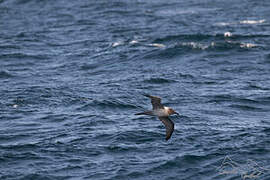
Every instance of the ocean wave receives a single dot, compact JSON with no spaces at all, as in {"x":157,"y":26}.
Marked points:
{"x":173,"y":45}
{"x":157,"y":45}
{"x":196,"y":45}
{"x":24,"y":55}
{"x":5,"y":74}
{"x":185,"y":47}
{"x":266,"y":130}
{"x":183,"y":37}
{"x":181,"y":11}
{"x":112,"y":103}
{"x":265,"y":100}
{"x":187,"y":160}
{"x":251,"y":22}
{"x":25,"y":146}
{"x":120,"y":148}
{"x":139,"y":136}
{"x":9,"y":46}
{"x":118,"y":43}
{"x":43,"y":175}
{"x":89,"y":66}
{"x":246,"y":107}
{"x":252,"y":86}
{"x":231,"y":98}
{"x":159,"y":80}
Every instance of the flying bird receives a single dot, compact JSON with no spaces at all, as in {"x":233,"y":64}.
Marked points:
{"x":162,"y":112}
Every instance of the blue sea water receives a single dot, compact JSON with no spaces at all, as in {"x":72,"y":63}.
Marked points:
{"x":72,"y":75}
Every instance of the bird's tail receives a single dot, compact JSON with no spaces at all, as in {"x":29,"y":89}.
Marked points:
{"x":150,"y":113}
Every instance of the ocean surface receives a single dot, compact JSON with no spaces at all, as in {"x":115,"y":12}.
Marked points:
{"x":73,"y":74}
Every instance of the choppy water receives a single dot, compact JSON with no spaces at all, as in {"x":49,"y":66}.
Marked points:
{"x":72,"y":76}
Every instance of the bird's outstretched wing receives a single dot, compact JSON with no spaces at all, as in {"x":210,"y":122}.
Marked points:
{"x":169,"y":126}
{"x":156,"y":101}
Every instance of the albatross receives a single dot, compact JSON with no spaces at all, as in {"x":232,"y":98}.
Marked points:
{"x":162,"y":112}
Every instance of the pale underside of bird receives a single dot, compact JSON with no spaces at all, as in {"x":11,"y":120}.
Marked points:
{"x":162,"y":112}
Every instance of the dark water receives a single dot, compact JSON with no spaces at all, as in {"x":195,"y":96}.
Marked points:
{"x":72,"y":76}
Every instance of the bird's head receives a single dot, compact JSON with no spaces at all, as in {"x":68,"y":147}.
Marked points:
{"x":171,"y":111}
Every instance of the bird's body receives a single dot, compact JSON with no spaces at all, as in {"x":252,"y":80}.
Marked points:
{"x":162,"y":112}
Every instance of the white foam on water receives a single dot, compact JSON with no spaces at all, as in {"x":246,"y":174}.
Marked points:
{"x":119,"y":43}
{"x":223,"y":24}
{"x":179,"y":11}
{"x":242,"y":44}
{"x":157,"y":45}
{"x":241,"y":22}
{"x":195,"y":45}
{"x":252,"y":21}
{"x":133,"y":42}
{"x":248,"y":45}
{"x":227,"y":34}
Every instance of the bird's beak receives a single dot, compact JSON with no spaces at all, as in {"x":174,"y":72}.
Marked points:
{"x":177,"y":113}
